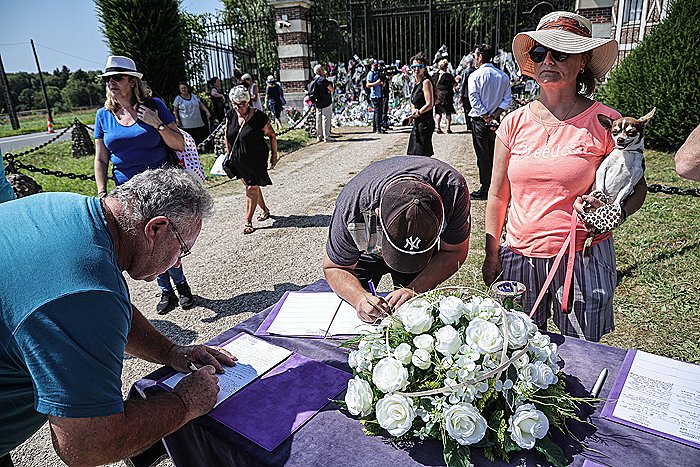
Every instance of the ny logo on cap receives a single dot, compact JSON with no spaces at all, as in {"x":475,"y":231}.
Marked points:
{"x":412,"y":243}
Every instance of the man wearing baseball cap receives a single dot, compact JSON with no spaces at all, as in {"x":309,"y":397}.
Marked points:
{"x":407,"y":216}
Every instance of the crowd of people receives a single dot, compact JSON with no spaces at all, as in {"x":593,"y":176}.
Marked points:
{"x":66,"y":314}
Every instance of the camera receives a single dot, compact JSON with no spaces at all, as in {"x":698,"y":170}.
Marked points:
{"x":281,"y":24}
{"x":388,"y":72}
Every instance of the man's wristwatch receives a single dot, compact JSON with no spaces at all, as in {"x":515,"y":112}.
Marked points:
{"x":161,"y":127}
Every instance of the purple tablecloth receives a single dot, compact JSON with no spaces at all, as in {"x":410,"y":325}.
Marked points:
{"x":334,"y":438}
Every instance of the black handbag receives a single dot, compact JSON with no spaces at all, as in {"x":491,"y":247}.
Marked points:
{"x":227,"y":165}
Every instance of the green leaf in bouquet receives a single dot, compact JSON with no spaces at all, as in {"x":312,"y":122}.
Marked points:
{"x":551,"y":451}
{"x":455,"y":454}
{"x":371,"y":427}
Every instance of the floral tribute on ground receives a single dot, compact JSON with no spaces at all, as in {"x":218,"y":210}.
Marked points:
{"x":463,"y":370}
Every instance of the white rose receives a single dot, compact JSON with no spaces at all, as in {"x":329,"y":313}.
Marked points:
{"x":528,"y":374}
{"x":403,"y":353}
{"x":527,"y":425}
{"x":518,"y":330}
{"x":389,"y":375}
{"x":485,"y":336}
{"x":395,"y":414}
{"x":448,"y":341}
{"x":424,"y":341}
{"x":464,"y":423}
{"x":415,"y":316}
{"x":545,"y":375}
{"x":359,"y":397}
{"x":451,"y":309}
{"x":521,"y":361}
{"x":352,"y":359}
{"x":421,"y":359}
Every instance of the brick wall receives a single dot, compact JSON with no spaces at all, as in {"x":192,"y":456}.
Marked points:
{"x":295,"y":63}
{"x":292,"y":13}
{"x":286,"y":38}
{"x":295,"y":86}
{"x":597,"y":15}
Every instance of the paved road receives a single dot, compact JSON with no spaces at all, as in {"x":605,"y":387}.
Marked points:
{"x":15,"y":143}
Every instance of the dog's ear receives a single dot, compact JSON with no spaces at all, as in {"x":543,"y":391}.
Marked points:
{"x":605,"y":121}
{"x":648,"y":116}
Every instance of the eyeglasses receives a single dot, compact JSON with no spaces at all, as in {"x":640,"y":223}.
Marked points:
{"x":539,"y":52}
{"x":240,"y":104}
{"x":417,"y":66}
{"x":116,"y":78}
{"x":184,"y":249}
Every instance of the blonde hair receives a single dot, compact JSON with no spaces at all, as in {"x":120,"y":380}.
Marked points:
{"x":140,"y":92}
{"x":442,"y":64}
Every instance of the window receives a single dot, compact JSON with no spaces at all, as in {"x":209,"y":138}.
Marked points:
{"x":633,"y":12}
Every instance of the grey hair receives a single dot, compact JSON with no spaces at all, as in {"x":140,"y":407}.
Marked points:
{"x":169,"y":192}
{"x":239,"y":94}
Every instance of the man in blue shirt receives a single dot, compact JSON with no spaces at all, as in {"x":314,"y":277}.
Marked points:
{"x":66,"y":319}
{"x":489,"y":96}
{"x":375,"y":84}
{"x":6,"y":191}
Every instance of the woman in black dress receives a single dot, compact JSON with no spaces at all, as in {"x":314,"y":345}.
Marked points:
{"x":246,"y":128}
{"x":446,"y":96}
{"x":422,"y":100}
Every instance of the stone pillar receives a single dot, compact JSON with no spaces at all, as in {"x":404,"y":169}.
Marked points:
{"x":293,"y":26}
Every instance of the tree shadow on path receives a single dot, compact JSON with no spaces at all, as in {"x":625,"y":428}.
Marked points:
{"x":249,"y":302}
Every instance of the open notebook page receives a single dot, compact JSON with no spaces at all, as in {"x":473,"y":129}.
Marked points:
{"x":305,"y":314}
{"x":347,"y":323}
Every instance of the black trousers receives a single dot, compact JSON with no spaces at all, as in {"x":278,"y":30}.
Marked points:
{"x":484,"y":139}
{"x":6,"y":461}
{"x":378,"y":105}
{"x":385,"y":110}
{"x":373,"y":267}
{"x":467,"y":106}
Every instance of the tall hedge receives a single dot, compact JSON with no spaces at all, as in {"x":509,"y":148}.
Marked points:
{"x":152,"y":34}
{"x":663,"y":71}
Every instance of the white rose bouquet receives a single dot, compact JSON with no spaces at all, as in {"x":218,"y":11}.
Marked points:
{"x":463,"y":370}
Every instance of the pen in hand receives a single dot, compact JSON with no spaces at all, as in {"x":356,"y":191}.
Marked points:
{"x":372,"y":290}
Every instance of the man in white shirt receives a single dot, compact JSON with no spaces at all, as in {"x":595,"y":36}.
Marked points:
{"x":489,"y":96}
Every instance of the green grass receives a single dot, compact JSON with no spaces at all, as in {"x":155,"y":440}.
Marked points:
{"x":657,"y":301}
{"x":35,"y":123}
{"x":57,"y":156}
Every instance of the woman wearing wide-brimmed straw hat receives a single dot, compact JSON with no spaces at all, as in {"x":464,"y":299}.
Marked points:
{"x":545,"y":161}
{"x":135,"y":132}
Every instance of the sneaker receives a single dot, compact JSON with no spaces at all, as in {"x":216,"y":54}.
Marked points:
{"x":185,"y":293}
{"x":168,"y":302}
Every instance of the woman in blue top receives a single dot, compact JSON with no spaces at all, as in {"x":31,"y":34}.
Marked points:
{"x":132,"y":131}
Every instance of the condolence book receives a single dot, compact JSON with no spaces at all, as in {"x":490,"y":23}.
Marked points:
{"x":278,"y":399}
{"x":313,"y":314}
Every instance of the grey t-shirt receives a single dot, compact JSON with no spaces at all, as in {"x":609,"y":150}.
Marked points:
{"x":354,"y":226}
{"x":188,"y":109}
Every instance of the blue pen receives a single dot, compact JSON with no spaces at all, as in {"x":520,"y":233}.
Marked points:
{"x":371,"y":287}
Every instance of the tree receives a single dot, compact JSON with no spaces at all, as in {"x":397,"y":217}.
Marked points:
{"x":152,"y":34}
{"x":662,"y":72}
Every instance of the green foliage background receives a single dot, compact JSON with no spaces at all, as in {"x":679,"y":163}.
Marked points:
{"x":663,"y":73}
{"x":152,"y":34}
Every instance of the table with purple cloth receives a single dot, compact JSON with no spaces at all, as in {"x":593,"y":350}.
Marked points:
{"x":333,"y":437}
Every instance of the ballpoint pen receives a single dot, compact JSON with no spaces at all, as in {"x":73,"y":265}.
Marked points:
{"x":599,"y":383}
{"x":190,"y":364}
{"x":372,"y":290}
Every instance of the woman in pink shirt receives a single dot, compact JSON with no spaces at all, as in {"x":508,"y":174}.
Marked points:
{"x":544,"y":166}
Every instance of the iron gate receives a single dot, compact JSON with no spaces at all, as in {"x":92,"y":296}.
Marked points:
{"x":397,"y":29}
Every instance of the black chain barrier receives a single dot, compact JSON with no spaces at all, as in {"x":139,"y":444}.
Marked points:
{"x":673,"y":190}
{"x":303,"y":117}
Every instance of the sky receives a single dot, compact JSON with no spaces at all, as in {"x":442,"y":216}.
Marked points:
{"x":65,"y":32}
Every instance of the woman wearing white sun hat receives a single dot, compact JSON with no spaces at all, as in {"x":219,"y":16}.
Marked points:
{"x":545,"y":161}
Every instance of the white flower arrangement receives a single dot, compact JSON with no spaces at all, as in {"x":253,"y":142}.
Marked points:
{"x":464,"y":370}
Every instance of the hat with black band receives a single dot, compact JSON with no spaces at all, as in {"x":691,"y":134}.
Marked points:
{"x":119,"y":65}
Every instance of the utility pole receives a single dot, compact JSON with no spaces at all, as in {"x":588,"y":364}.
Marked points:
{"x":43,"y":86}
{"x":14,"y":121}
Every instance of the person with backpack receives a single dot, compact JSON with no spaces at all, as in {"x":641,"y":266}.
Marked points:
{"x":320,"y":92}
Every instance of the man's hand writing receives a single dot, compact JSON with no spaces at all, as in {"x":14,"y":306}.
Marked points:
{"x":372,"y":308}
{"x":179,"y":355}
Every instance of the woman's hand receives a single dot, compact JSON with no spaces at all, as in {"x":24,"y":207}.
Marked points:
{"x":273,"y":162}
{"x":148,"y":116}
{"x":491,"y":269}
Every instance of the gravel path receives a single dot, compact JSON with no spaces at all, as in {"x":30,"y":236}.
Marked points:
{"x":234,"y":276}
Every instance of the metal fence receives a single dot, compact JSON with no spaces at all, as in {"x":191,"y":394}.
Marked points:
{"x":217,"y":48}
{"x":396,"y":30}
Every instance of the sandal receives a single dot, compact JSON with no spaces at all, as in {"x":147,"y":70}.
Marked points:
{"x":264,"y":216}
{"x":438,"y":131}
{"x":248,"y":228}
{"x":449,"y":131}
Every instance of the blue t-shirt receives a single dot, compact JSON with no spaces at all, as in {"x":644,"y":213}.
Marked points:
{"x":6,"y":191}
{"x":65,"y":314}
{"x":376,"y":90}
{"x":133,"y":148}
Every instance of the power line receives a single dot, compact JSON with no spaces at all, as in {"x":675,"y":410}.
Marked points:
{"x":66,"y":53}
{"x":14,"y":43}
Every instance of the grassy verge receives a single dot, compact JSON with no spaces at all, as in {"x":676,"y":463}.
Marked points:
{"x":657,"y":301}
{"x":36,"y":123}
{"x":57,"y":156}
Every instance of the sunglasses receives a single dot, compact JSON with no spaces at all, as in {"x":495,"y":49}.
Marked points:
{"x":539,"y":52}
{"x":417,"y":66}
{"x":116,"y":78}
{"x":240,"y":104}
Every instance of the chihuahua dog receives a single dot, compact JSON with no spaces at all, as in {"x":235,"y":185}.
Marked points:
{"x":624,"y":166}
